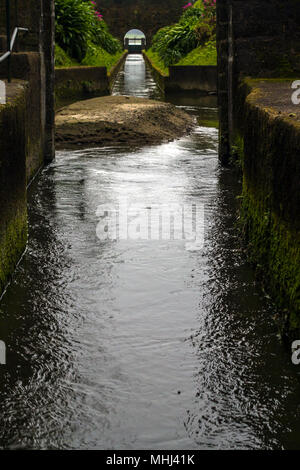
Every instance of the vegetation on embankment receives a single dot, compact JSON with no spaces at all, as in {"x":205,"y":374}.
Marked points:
{"x":95,"y":57}
{"x":82,"y":36}
{"x":268,"y":144}
{"x":202,"y":55}
{"x":191,"y":41}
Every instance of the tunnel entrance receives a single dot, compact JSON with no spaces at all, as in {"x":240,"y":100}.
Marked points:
{"x":135,"y":41}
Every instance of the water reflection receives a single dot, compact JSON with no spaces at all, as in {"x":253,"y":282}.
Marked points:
{"x":122,"y":345}
{"x":136,"y":80}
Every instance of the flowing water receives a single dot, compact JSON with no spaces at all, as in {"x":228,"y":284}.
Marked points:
{"x":139,"y":344}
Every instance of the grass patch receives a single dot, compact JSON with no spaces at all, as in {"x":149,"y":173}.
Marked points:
{"x":202,"y":55}
{"x":158,"y":62}
{"x":98,"y":57}
{"x":95,"y":57}
{"x":62,"y":59}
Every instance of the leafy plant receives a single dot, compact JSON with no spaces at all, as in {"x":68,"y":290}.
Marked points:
{"x":195,"y":27}
{"x":78,"y":23}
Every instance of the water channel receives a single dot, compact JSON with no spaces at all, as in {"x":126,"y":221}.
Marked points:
{"x":141,"y":344}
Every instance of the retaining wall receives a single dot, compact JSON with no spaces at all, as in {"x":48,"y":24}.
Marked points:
{"x":186,"y":78}
{"x":257,"y":130}
{"x":13,"y":151}
{"x":28,"y":66}
{"x":75,"y":83}
{"x":268,"y":143}
{"x":26,"y":121}
{"x":201,"y":78}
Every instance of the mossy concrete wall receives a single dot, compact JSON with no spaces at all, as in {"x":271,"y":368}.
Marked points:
{"x":269,"y":143}
{"x":261,"y":38}
{"x":39,"y":17}
{"x":13,"y":149}
{"x":26,"y":121}
{"x":202,"y":78}
{"x":75,"y":83}
{"x":28,"y":66}
{"x":258,"y":38}
{"x":185,"y":78}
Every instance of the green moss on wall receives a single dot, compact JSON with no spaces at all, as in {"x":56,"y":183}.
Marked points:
{"x":267,"y":145}
{"x":274,"y":248}
{"x":12,"y":245}
{"x":13,"y":208}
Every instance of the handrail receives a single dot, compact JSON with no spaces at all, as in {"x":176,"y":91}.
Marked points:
{"x":10,"y":41}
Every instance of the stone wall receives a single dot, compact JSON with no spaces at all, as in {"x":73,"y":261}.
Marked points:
{"x":38,"y":16}
{"x":190,"y":79}
{"x":26,"y":121}
{"x":146,"y":15}
{"x":260,"y":130}
{"x":75,"y":83}
{"x":13,"y":210}
{"x":258,"y":38}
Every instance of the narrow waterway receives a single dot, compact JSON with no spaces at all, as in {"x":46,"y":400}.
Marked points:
{"x":139,"y":344}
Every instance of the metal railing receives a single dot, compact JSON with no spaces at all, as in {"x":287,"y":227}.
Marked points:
{"x":10,"y":41}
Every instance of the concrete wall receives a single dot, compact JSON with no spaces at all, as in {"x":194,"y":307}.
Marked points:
{"x":185,"y":78}
{"x":26,"y":121}
{"x":146,"y":15}
{"x":74,"y":83}
{"x":192,"y":78}
{"x":262,"y":39}
{"x":13,"y":210}
{"x":38,"y":17}
{"x":28,"y":66}
{"x":255,"y":38}
{"x":269,"y":143}
{"x":79,"y":83}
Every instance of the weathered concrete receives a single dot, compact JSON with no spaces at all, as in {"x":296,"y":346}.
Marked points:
{"x":196,"y":78}
{"x":259,"y":128}
{"x":80,"y":83}
{"x":186,"y":78}
{"x":26,"y":122}
{"x":259,"y":38}
{"x":123,"y":15}
{"x":13,"y":207}
{"x":28,"y":66}
{"x":38,"y":16}
{"x":74,"y":83}
{"x":269,"y":143}
{"x":113,"y":72}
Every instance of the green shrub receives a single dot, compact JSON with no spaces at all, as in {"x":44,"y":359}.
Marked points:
{"x":62,"y":59}
{"x":98,"y":57}
{"x":202,"y":55}
{"x":196,"y":27}
{"x":78,"y":24}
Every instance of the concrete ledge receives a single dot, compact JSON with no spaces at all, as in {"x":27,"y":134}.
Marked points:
{"x":158,"y":76}
{"x":196,"y":78}
{"x":113,"y":72}
{"x":268,"y":140}
{"x":28,"y":66}
{"x":185,"y":78}
{"x":77,"y":82}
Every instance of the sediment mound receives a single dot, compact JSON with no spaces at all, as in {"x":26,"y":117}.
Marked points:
{"x":113,"y":120}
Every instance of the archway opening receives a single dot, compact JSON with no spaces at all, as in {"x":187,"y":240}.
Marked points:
{"x":134,"y":41}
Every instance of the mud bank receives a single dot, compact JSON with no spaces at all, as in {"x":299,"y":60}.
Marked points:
{"x":118,"y":120}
